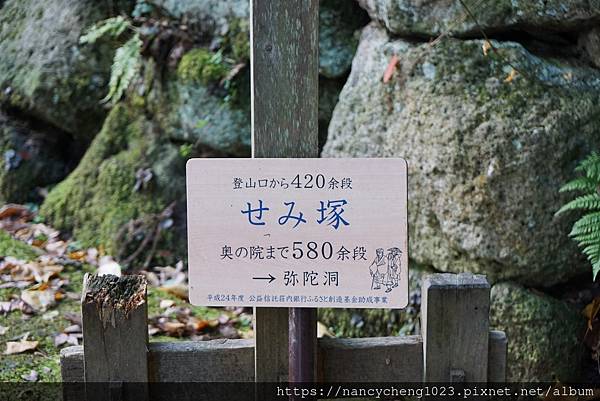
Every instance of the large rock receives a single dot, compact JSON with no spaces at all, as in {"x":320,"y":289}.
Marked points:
{"x":43,"y":69}
{"x":30,"y":159}
{"x":487,"y":148}
{"x":339,"y":21}
{"x":121,"y":191}
{"x":130,"y":174}
{"x":543,"y":335}
{"x":432,"y":18}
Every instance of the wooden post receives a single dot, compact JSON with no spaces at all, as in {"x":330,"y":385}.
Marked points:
{"x":115,"y":337}
{"x":455,"y":325}
{"x":284,"y":63}
{"x":497,"y":357}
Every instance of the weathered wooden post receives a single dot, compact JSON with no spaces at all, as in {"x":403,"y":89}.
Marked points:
{"x":455,"y":325}
{"x":115,"y":337}
{"x":285,"y":66}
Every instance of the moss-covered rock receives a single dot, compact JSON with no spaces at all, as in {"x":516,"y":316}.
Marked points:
{"x":416,"y":18}
{"x":202,"y":66}
{"x":130,"y":174}
{"x":31,"y":159}
{"x":43,"y":69}
{"x":119,"y":195}
{"x":543,"y":335}
{"x":15,"y":248}
{"x":353,"y":322}
{"x":488,"y":148}
{"x":339,"y":24}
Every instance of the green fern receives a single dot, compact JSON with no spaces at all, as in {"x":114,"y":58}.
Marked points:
{"x":126,"y":64}
{"x":586,"y":231}
{"x":127,"y":59}
{"x":112,"y":27}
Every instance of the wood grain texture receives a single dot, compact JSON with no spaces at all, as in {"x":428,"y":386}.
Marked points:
{"x":115,"y":333}
{"x":497,"y":353}
{"x":71,"y":372}
{"x":455,"y":325}
{"x":202,"y":361}
{"x":379,"y":359}
{"x":271,"y":338}
{"x":349,"y":359}
{"x":285,"y":77}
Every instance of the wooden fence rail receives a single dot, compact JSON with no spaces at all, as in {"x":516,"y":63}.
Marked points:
{"x":456,"y":345}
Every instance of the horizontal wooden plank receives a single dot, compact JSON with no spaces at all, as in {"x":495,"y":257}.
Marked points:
{"x":378,"y":359}
{"x":393,"y":358}
{"x":202,"y":361}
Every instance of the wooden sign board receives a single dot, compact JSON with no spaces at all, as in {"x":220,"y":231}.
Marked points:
{"x":298,"y":232}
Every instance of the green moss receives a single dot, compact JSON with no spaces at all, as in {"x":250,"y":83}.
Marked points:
{"x":46,"y":362}
{"x":238,"y":40}
{"x":12,"y":247}
{"x":100,"y":196}
{"x":203,"y":66}
{"x":543,"y":334}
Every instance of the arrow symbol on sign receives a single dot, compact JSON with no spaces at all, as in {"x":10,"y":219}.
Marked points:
{"x":271,"y":278}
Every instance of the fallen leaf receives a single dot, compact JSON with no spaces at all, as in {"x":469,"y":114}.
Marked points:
{"x":39,"y":300}
{"x":77,"y":255}
{"x":511,"y":75}
{"x":72,"y":317}
{"x":179,"y":290}
{"x":591,"y":311}
{"x":18,"y":347}
{"x":13,"y":210}
{"x":174,"y":328}
{"x":74,"y":328}
{"x":31,"y":376}
{"x":486,"y":47}
{"x":166,"y":303}
{"x":50,"y":315}
{"x":64,"y":338}
{"x":390,"y":69}
{"x":197,"y":325}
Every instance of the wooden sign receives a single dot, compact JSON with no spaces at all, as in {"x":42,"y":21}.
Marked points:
{"x":298,"y":232}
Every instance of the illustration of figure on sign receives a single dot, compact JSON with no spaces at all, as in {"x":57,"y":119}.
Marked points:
{"x":385,"y":269}
{"x":377,"y":269}
{"x":393,"y":270}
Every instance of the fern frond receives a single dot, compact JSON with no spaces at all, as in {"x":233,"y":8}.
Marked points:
{"x":587,"y":224}
{"x":126,"y":64}
{"x":581,"y":184}
{"x":112,"y":26}
{"x":584,"y":202}
{"x":591,"y":167}
{"x":586,"y":230}
{"x":587,"y":239}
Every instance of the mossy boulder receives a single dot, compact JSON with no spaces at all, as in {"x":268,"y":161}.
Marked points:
{"x":432,"y":18}
{"x":544,"y":335}
{"x":31,"y":159}
{"x":352,"y":322}
{"x":120,"y":194}
{"x":44,"y":72}
{"x":340,"y":22}
{"x":127,"y":178}
{"x":487,"y":147}
{"x":214,"y":18}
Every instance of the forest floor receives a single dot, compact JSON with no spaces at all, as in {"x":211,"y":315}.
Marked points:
{"x":41,"y":276}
